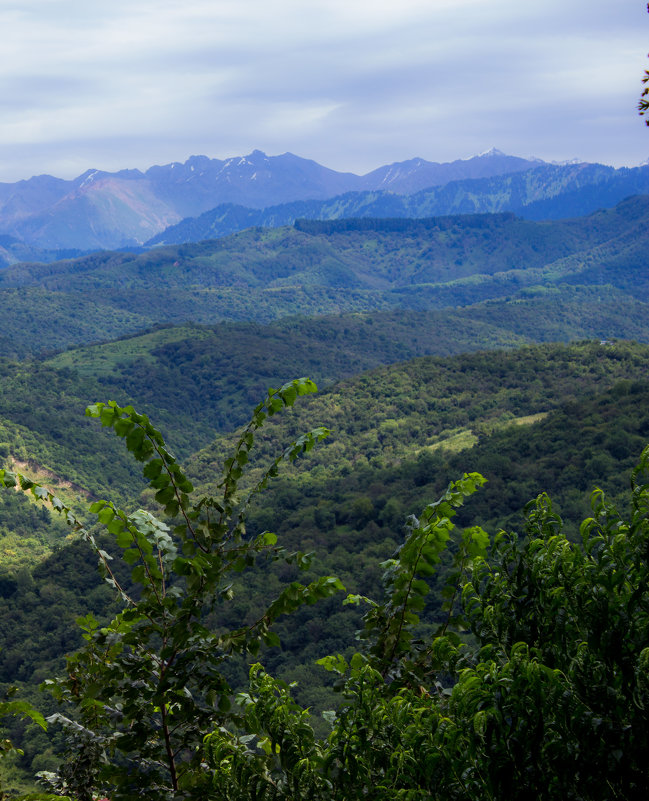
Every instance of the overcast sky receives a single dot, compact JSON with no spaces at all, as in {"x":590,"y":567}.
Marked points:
{"x":353,"y":84}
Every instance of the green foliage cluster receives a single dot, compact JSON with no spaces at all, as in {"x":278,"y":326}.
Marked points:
{"x":533,"y":680}
{"x":158,"y":664}
{"x":643,"y":103}
{"x":549,"y":701}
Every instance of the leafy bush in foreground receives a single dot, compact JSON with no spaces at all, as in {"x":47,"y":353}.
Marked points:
{"x":550,"y":700}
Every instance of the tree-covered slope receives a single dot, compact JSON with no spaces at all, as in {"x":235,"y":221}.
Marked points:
{"x":194,"y":381}
{"x":367,"y":254}
{"x":552,"y":418}
{"x":325,"y":268}
{"x":197,"y":382}
{"x":215,"y":373}
{"x":44,"y":433}
{"x":396,"y":411}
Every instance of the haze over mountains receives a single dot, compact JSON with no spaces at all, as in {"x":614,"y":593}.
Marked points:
{"x":45,"y":218}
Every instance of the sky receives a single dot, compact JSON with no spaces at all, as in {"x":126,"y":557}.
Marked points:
{"x":352,"y":84}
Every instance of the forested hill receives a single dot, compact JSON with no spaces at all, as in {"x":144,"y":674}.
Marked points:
{"x":382,"y":417}
{"x":556,"y":418}
{"x":323,"y":269}
{"x":216,"y":373}
{"x":433,"y":403}
{"x":547,"y":192}
{"x":196,"y":382}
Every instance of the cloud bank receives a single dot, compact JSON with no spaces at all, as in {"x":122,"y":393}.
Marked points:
{"x":352,"y":84}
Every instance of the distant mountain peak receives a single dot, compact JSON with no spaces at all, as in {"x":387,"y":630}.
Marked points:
{"x":491,"y":152}
{"x":87,"y":178}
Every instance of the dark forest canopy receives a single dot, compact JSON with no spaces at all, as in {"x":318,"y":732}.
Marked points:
{"x":527,"y":674}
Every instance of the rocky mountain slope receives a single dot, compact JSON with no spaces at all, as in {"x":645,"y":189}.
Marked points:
{"x":100,"y":210}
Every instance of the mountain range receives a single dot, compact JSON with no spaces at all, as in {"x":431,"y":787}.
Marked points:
{"x":546,"y":192}
{"x":45,"y":218}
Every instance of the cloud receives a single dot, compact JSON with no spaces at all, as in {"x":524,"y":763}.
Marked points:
{"x":351,"y":83}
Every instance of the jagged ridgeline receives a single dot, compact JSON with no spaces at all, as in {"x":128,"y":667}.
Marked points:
{"x":344,"y":266}
{"x":46,"y":218}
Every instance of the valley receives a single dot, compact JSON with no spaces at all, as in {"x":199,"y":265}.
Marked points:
{"x":556,"y":418}
{"x":514,"y":347}
{"x":315,"y":269}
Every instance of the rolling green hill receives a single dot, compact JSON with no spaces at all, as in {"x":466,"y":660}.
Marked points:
{"x":215,"y":374}
{"x":321,"y":268}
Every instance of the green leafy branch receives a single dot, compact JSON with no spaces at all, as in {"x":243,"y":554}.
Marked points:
{"x":389,"y":626}
{"x":150,"y":683}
